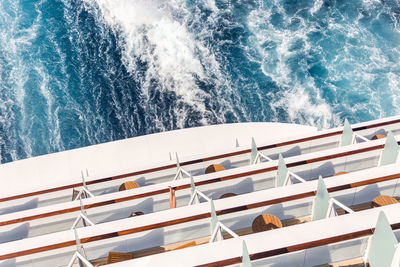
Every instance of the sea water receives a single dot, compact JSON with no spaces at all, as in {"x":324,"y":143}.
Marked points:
{"x":80,"y":72}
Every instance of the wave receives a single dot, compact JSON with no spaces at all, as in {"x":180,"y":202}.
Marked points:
{"x":330,"y":60}
{"x":165,"y":56}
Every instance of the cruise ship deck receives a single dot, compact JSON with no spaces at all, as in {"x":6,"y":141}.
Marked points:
{"x":250,"y":194}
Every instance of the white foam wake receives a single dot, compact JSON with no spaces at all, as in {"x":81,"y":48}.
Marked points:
{"x":155,"y":34}
{"x":275,"y":57}
{"x":353,"y":50}
{"x":13,"y":40}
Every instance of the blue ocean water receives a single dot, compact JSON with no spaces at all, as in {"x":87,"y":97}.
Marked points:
{"x":80,"y":72}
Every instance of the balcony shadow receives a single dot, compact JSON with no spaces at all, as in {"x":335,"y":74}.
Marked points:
{"x":8,"y":263}
{"x":146,"y":206}
{"x":31,"y":204}
{"x":19,"y":232}
{"x":241,"y":187}
{"x":294,"y":151}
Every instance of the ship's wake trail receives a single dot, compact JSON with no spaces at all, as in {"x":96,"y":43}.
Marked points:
{"x":180,"y":80}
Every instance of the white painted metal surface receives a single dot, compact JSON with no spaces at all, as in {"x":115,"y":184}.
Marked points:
{"x":270,"y":240}
{"x":252,"y":189}
{"x":204,"y":208}
{"x":133,"y":154}
{"x":325,"y":168}
{"x":106,"y":160}
{"x":63,"y":222}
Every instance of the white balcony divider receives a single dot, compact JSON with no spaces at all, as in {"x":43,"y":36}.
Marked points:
{"x":396,"y":257}
{"x":80,"y":258}
{"x":215,"y":230}
{"x":284,"y":176}
{"x":291,"y":176}
{"x":257,"y":155}
{"x":217,"y":234}
{"x":196,"y":194}
{"x":246,"y":262}
{"x":84,"y":190}
{"x":78,"y":254}
{"x":382,"y":245}
{"x":217,"y":226}
{"x":348,"y":136}
{"x":84,"y":219}
{"x":390,"y":151}
{"x":82,"y":216}
{"x":323,"y":205}
{"x":356,"y":135}
{"x":192,"y":192}
{"x":180,"y":170}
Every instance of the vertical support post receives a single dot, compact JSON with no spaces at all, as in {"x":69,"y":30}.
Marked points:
{"x":193,"y":190}
{"x":83,"y":212}
{"x":84,"y":183}
{"x":178,"y":166}
{"x":78,"y":247}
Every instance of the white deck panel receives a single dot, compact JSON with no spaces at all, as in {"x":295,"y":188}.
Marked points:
{"x":123,"y":153}
{"x":347,"y":163}
{"x":196,"y":169}
{"x":134,"y":154}
{"x":353,"y":177}
{"x":62,"y":168}
{"x":188,"y":211}
{"x":298,"y":188}
{"x":278,"y":238}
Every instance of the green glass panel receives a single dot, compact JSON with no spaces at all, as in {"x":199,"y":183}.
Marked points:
{"x":383,"y":244}
{"x":254,"y":150}
{"x":282,"y":172}
{"x":237,"y":143}
{"x":214,"y":218}
{"x":321,"y":202}
{"x":390,"y":151}
{"x":246,"y":262}
{"x":347,"y":135}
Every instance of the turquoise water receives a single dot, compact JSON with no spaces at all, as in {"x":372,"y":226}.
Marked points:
{"x":80,"y":72}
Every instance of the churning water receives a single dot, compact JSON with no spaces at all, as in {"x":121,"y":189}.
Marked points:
{"x":81,"y":72}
